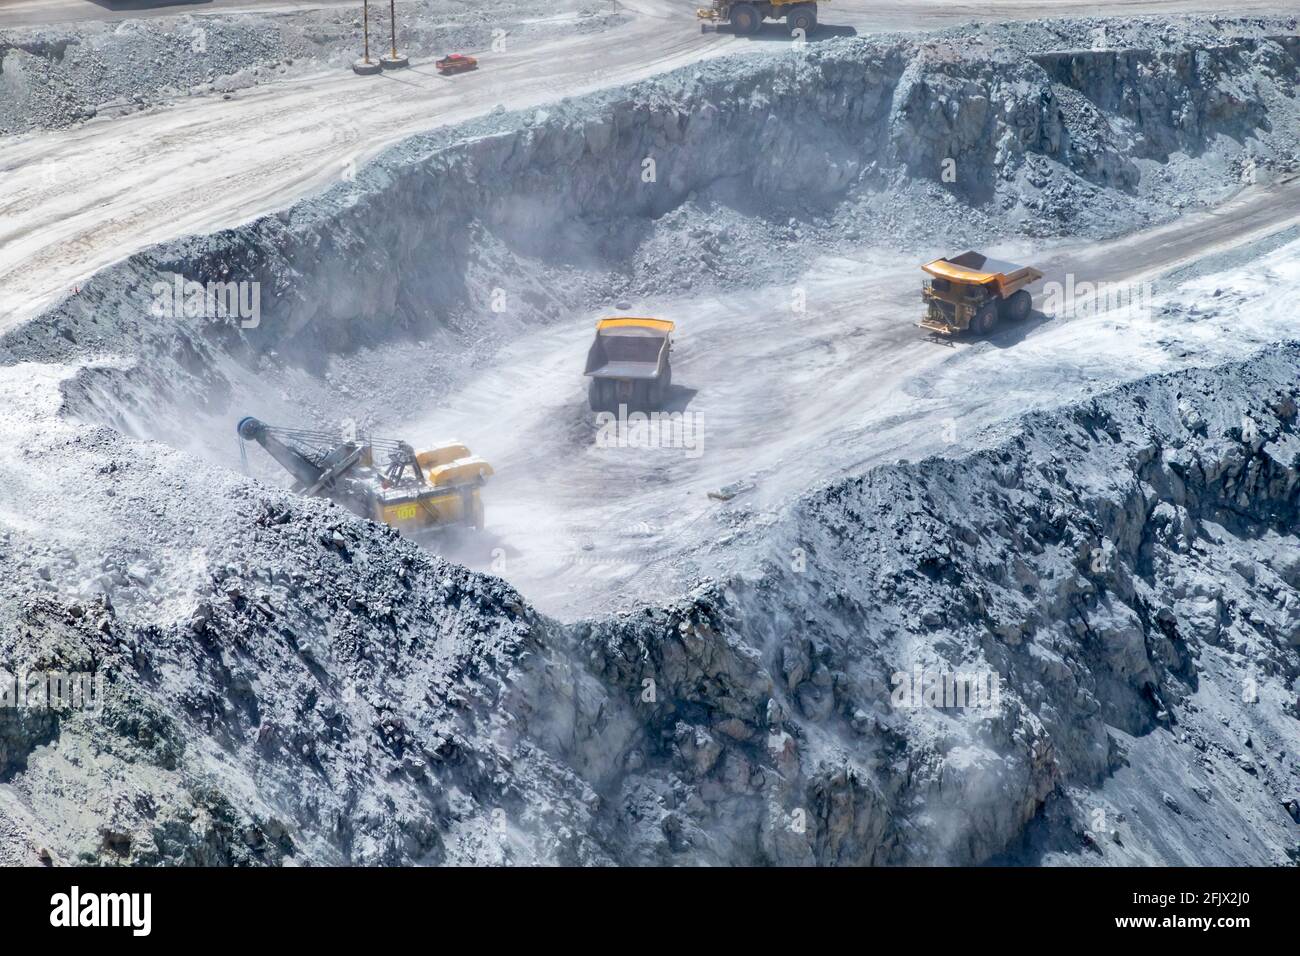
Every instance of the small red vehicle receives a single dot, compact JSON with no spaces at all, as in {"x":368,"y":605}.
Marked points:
{"x":455,"y":63}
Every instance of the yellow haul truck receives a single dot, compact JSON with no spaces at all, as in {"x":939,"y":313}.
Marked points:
{"x":629,"y":364}
{"x":746,"y":17}
{"x":377,"y":478}
{"x":972,"y":292}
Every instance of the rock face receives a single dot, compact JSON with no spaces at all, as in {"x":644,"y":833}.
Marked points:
{"x":1107,"y":563}
{"x":337,"y":694}
{"x":1010,"y":136}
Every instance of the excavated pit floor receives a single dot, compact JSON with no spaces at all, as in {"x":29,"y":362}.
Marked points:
{"x":780,"y":398}
{"x":783,"y":400}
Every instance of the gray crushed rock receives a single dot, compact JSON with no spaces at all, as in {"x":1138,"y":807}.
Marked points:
{"x":54,"y":77}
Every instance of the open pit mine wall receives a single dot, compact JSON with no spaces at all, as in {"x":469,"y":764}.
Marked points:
{"x":333,"y":693}
{"x":341,"y":695}
{"x":1106,"y":562}
{"x":1177,"y":101}
{"x":421,"y":237}
{"x":1128,"y":567}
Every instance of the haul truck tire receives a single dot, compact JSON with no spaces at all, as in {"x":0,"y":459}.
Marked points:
{"x":803,"y":17}
{"x":745,"y":19}
{"x":985,"y":319}
{"x":1017,"y":306}
{"x":659,"y":387}
{"x":600,"y":394}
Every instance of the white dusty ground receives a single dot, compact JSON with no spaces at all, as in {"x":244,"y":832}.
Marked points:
{"x":210,"y":163}
{"x":23,"y":13}
{"x":788,"y":400}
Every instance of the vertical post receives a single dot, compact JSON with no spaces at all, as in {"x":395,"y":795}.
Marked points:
{"x":393,"y":60}
{"x":363,"y":66}
{"x":392,"y":24}
{"x":365,"y":27}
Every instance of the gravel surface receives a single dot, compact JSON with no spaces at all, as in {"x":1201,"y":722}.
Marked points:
{"x":52,"y":77}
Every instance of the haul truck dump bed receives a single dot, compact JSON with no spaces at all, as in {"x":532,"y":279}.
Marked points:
{"x":628,"y":363}
{"x":972,"y":291}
